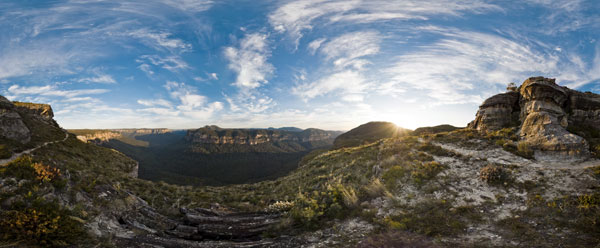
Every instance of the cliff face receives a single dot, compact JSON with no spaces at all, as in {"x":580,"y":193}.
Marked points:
{"x":12,"y":126}
{"x":108,"y":134}
{"x":219,"y":136}
{"x":544,"y":113}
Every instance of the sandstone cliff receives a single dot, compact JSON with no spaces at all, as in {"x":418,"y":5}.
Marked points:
{"x":220,"y":136}
{"x":548,"y":118}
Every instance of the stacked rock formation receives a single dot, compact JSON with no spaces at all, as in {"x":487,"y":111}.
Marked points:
{"x":543,"y":112}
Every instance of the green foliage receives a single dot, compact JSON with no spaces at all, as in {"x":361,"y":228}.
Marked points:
{"x":43,"y":224}
{"x":335,"y":202}
{"x":504,"y":133}
{"x":524,"y":150}
{"x":24,"y":168}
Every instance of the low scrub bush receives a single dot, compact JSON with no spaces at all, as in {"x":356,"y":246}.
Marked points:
{"x":524,"y":150}
{"x":43,"y":224}
{"x":492,"y":174}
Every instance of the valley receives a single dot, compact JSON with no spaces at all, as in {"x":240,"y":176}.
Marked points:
{"x":212,"y":155}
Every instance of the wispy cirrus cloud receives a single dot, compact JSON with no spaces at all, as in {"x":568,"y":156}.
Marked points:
{"x":297,"y":16}
{"x":52,"y":90}
{"x":456,"y":68}
{"x":347,"y":49}
{"x":348,"y":54}
{"x":349,"y":84}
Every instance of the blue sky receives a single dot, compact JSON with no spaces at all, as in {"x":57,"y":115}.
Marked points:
{"x":306,"y":63}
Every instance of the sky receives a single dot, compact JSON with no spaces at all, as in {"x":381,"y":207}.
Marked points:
{"x":330,"y":64}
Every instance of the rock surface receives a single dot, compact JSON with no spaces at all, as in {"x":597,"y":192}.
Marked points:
{"x":11,"y":124}
{"x":543,"y":111}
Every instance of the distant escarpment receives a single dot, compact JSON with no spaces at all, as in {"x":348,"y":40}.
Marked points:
{"x":369,"y":132}
{"x":104,"y":135}
{"x":555,"y":121}
{"x":215,"y":139}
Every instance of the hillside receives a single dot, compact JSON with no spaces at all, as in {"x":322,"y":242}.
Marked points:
{"x":369,"y":132}
{"x":479,"y":186}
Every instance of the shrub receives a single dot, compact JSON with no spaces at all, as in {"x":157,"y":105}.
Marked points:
{"x":310,"y":208}
{"x":44,"y":224}
{"x":524,"y":150}
{"x":426,"y":171}
{"x":492,"y":174}
{"x":25,"y":168}
{"x":375,"y":188}
{"x":392,"y":175}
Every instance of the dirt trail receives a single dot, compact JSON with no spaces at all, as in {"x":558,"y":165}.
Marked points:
{"x":17,"y":155}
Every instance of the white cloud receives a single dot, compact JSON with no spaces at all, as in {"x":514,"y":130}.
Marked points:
{"x":191,"y":104}
{"x":157,"y":102}
{"x":249,"y":61}
{"x":147,"y":69}
{"x":347,"y":48}
{"x":51,"y":90}
{"x":190,"y":5}
{"x":100,"y":78}
{"x":209,"y":76}
{"x":349,"y":84}
{"x":171,"y":63}
{"x":315,"y":44}
{"x":159,"y":40}
{"x":296,"y":16}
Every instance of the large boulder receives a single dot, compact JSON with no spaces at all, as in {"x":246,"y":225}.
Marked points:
{"x":12,"y":126}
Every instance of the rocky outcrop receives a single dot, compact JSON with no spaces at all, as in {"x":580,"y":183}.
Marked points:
{"x":12,"y":126}
{"x":498,"y":112}
{"x":37,"y":110}
{"x":544,"y":113}
{"x":220,"y":136}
